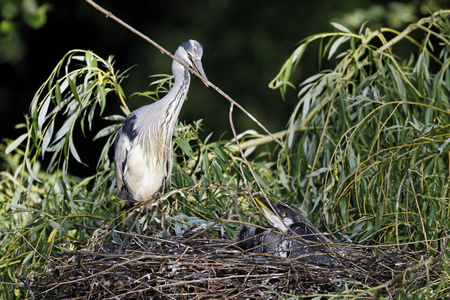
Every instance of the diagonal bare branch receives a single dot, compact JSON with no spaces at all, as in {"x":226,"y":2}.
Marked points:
{"x":108,"y":14}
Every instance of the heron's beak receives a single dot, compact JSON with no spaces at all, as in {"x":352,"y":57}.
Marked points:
{"x":271,"y":215}
{"x":264,"y":207}
{"x":199,"y":68}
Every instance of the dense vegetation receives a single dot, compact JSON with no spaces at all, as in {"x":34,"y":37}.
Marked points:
{"x":366,"y":154}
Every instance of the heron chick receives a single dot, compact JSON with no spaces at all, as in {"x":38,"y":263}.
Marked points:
{"x":293,"y":236}
{"x":143,"y":153}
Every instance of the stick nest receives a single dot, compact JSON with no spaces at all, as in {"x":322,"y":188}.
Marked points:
{"x":205,"y":268}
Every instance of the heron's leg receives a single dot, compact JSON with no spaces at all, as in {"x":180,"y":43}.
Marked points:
{"x":163,"y":224}
{"x":160,"y":207}
{"x":125,"y":239}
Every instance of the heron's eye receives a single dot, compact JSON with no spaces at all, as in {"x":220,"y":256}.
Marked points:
{"x":283,"y":215}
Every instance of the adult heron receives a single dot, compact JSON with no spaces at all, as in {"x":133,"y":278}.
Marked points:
{"x":294,"y":236}
{"x":143,"y":153}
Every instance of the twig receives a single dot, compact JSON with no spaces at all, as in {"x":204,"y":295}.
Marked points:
{"x":230,"y":115}
{"x":397,"y":209}
{"x":85,"y":227}
{"x":399,"y":277}
{"x":204,"y":269}
{"x":206,"y":229}
{"x":410,"y":29}
{"x":18,"y":285}
{"x":187,"y":230}
{"x":267,"y":139}
{"x":25,"y":281}
{"x":55,"y":285}
{"x":108,"y":14}
{"x":418,"y":207}
{"x":33,"y":248}
{"x":244,"y":111}
{"x":147,"y":287}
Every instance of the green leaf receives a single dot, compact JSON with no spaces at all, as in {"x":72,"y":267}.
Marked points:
{"x":118,"y":118}
{"x":101,"y":97}
{"x":47,"y":137}
{"x":73,"y":150}
{"x":220,"y":153}
{"x":105,"y":132}
{"x":28,"y":258}
{"x":30,"y":170}
{"x":58,"y":93}
{"x":184,"y":145}
{"x":217,"y":172}
{"x":55,"y":225}
{"x":16,"y":143}
{"x":16,"y":173}
{"x":283,"y":178}
{"x":336,"y":45}
{"x":88,"y":58}
{"x":313,"y":78}
{"x":399,"y":82}
{"x":18,"y":207}
{"x":317,"y":172}
{"x":73,"y":88}
{"x":205,"y":166}
{"x":43,"y":113}
{"x":52,"y":235}
{"x":442,"y":147}
{"x":340,"y":27}
{"x":65,"y":128}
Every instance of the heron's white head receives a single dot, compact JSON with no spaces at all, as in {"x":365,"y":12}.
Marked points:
{"x":191,"y":52}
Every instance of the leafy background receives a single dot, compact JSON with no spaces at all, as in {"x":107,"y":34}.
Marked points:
{"x":365,"y":156}
{"x":254,"y":39}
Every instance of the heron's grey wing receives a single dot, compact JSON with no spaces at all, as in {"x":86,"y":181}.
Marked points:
{"x":253,"y":239}
{"x":310,"y":241}
{"x":141,"y":155}
{"x":248,"y":238}
{"x":122,"y":146}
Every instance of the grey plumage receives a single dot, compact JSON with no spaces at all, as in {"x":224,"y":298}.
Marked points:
{"x":292,"y":236}
{"x":143,"y":147}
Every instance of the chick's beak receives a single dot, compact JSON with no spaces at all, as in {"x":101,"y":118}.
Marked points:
{"x":267,"y":210}
{"x":271,"y":215}
{"x":264,"y":207}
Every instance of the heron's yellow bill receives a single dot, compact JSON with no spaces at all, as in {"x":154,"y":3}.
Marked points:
{"x":272,"y":215}
{"x":266,"y":209}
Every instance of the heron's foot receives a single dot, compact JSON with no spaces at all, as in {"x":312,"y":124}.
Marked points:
{"x":122,"y":249}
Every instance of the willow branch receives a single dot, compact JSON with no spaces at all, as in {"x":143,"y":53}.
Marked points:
{"x":267,"y":139}
{"x":410,"y":29}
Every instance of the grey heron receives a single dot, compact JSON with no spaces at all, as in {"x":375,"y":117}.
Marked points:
{"x":143,"y":153}
{"x":294,"y":235}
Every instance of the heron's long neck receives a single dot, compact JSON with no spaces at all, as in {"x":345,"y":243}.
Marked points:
{"x":176,"y":96}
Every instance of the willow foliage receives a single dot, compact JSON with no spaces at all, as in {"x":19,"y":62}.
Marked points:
{"x":373,"y":162}
{"x":46,"y":210}
{"x":379,"y":169}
